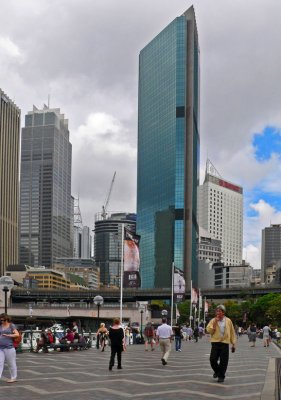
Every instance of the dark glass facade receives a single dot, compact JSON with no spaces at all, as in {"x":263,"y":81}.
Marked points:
{"x":168,"y":152}
{"x":45,"y":188}
{"x":108,"y":245}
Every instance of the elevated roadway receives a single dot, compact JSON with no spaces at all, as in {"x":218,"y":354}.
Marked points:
{"x":20,"y":295}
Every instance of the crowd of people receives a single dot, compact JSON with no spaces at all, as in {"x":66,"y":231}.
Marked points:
{"x":222,"y":334}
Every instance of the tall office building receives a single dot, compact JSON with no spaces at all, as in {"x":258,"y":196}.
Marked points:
{"x":46,"y":213}
{"x":9,"y":181}
{"x":168,"y":152}
{"x":108,"y":244}
{"x":220,"y":212}
{"x":270,"y":248}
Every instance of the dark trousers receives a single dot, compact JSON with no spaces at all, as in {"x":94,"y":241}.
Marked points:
{"x":115,"y":350}
{"x":219,"y":358}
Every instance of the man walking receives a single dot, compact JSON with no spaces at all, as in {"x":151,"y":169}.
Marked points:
{"x":222,"y":334}
{"x":164,"y":335}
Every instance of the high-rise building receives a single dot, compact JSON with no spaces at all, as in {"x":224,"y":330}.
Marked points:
{"x":108,"y":244}
{"x":9,"y":181}
{"x":168,"y":152}
{"x":270,"y":247}
{"x":46,"y":214}
{"x":220,"y":212}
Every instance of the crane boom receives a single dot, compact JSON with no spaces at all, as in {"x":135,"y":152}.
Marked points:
{"x":106,"y":201}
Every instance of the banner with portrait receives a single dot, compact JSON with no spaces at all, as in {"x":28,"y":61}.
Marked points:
{"x":194,"y":296}
{"x":131,"y":273}
{"x":179,"y":285}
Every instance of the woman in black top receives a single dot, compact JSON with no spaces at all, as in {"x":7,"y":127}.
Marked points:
{"x":116,"y":336}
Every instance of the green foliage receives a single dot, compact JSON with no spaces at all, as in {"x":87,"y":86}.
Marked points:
{"x":184,"y":308}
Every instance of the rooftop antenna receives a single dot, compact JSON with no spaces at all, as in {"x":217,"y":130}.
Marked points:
{"x":49,"y":100}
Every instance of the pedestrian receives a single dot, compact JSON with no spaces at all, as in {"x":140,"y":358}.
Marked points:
{"x":149,"y":336}
{"x":222,"y":334}
{"x":102,"y":335}
{"x":253,"y":334}
{"x":266,"y":335}
{"x":8,"y":333}
{"x":196,"y":333}
{"x":178,"y":336}
{"x":117,"y":340}
{"x":164,"y":335}
{"x":75,"y":327}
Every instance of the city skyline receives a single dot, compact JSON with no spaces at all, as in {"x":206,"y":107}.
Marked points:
{"x":91,"y":73}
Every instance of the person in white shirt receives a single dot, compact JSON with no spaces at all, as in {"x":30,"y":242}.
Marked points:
{"x":164,"y":335}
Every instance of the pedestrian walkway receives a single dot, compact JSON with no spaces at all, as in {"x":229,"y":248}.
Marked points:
{"x":187,"y":376}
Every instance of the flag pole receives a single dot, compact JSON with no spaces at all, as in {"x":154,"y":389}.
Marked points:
{"x":199,"y":306}
{"x":190,"y":310}
{"x":172,"y":299}
{"x":121,"y":274}
{"x":204,"y":318}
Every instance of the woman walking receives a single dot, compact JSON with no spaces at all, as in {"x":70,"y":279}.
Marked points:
{"x":253,"y":334}
{"x":116,"y":336}
{"x":102,"y":336}
{"x":8,"y":333}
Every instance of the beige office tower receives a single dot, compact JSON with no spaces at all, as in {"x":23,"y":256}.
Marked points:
{"x":220,"y":209}
{"x":9,"y":181}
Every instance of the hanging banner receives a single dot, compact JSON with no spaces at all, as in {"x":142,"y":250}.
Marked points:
{"x":131,"y":275}
{"x":206,"y":307}
{"x":194,"y":296}
{"x":179,"y":285}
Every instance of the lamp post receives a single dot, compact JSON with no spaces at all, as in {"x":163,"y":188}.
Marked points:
{"x":6,"y":284}
{"x":141,"y":313}
{"x":98,"y":300}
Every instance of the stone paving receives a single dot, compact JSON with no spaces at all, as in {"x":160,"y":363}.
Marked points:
{"x":187,"y":376}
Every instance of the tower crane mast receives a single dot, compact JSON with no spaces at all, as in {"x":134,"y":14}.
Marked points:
{"x":106,"y":201}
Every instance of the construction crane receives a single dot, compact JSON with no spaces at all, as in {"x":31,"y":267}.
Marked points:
{"x":106,"y":201}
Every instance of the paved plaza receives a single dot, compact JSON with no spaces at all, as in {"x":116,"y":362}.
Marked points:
{"x":187,"y":376}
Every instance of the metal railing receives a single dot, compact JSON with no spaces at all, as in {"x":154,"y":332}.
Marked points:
{"x":278,"y":379}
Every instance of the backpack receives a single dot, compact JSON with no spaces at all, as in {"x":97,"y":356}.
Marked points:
{"x":148,"y":331}
{"x":17,"y":341}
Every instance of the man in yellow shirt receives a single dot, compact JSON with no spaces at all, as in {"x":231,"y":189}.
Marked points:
{"x":222,"y":334}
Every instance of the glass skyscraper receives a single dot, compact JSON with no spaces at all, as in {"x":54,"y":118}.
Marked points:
{"x":168,"y":152}
{"x":45,"y":189}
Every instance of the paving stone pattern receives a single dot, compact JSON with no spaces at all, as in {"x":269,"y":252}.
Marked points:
{"x":187,"y":376}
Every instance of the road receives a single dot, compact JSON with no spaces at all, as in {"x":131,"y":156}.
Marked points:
{"x":187,"y":376}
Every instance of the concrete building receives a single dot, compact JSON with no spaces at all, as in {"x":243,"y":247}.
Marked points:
{"x":9,"y":181}
{"x":46,"y":215}
{"x":220,"y":212}
{"x":271,"y":248}
{"x":209,"y":248}
{"x":108,"y":244}
{"x":270,"y":273}
{"x":168,"y":152}
{"x":49,"y":278}
{"x":218,"y":275}
{"x":85,"y":268}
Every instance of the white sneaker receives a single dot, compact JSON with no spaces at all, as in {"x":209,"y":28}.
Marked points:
{"x":179,"y":349}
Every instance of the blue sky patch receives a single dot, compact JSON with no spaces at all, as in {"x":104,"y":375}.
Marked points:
{"x":267,"y":143}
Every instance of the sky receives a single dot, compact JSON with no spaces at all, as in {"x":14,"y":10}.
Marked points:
{"x":84,"y":55}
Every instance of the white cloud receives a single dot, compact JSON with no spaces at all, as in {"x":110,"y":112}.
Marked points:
{"x":265,"y":215}
{"x":252,"y":255}
{"x":9,"y":48}
{"x":100,"y":147}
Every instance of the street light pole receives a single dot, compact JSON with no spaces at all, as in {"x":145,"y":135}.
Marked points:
{"x":98,"y":300}
{"x":141,"y":311}
{"x":5,"y":290}
{"x":6,"y":284}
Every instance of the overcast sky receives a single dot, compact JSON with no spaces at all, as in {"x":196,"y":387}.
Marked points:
{"x":84,"y":53}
